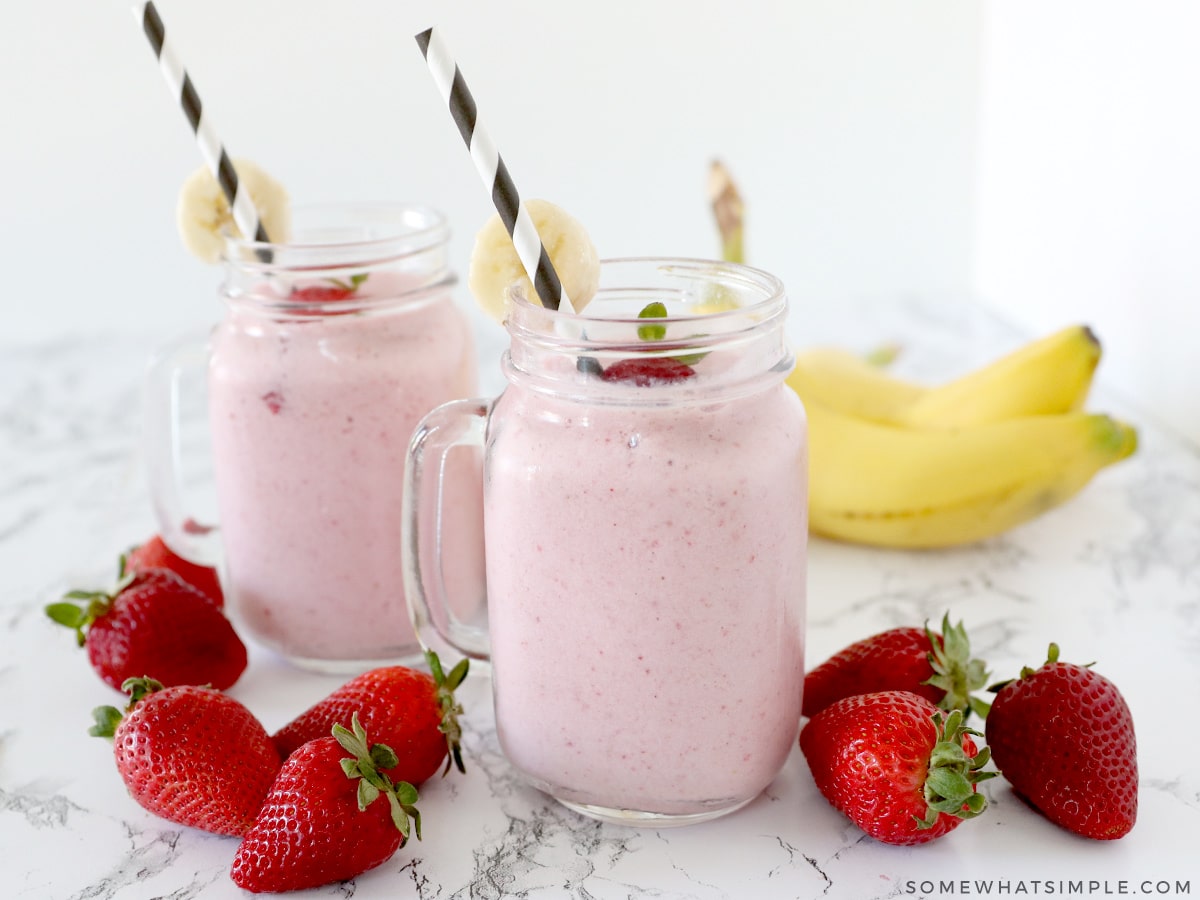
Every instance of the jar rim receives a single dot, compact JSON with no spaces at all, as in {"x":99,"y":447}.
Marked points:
{"x":326,"y":269}
{"x":724,"y":322}
{"x":770,"y":286}
{"x":631,"y":280}
{"x":333,"y":234}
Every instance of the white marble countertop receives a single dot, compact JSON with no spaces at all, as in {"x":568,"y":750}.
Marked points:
{"x":1114,"y":577}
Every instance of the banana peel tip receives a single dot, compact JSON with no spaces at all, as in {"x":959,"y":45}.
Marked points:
{"x":1117,"y":437}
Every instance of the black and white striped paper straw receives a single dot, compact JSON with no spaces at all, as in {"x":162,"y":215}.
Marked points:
{"x":491,"y":168}
{"x":179,"y":83}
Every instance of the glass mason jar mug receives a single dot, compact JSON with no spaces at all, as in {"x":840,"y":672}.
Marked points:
{"x":332,"y":348}
{"x":645,"y":519}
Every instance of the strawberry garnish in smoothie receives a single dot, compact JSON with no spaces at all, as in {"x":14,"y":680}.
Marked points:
{"x":320,"y":293}
{"x":648,"y":371}
{"x":331,"y":292}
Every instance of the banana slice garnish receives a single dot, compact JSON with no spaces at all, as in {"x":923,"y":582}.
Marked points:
{"x":495,"y":266}
{"x":204,"y":217}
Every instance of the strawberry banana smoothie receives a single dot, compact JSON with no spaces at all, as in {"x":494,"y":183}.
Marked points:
{"x":313,"y":396}
{"x":645,"y":584}
{"x":645,"y":510}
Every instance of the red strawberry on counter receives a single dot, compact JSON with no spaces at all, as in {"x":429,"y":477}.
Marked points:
{"x":192,"y":755}
{"x":1063,"y":737}
{"x":903,"y":770}
{"x":413,"y":713}
{"x":328,"y":817}
{"x":154,"y":623}
{"x":155,"y":554}
{"x":935,"y":666}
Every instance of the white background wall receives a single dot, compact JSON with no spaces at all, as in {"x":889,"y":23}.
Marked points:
{"x":1089,"y":184}
{"x":849,"y":125}
{"x":1038,"y":154}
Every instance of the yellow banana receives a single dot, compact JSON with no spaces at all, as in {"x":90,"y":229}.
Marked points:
{"x":1046,"y":376}
{"x":919,"y":488}
{"x":845,"y":381}
{"x":1043,"y":377}
{"x":203,"y":216}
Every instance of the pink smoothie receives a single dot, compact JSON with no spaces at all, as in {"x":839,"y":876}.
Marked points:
{"x":311,"y":417}
{"x":646,"y":578}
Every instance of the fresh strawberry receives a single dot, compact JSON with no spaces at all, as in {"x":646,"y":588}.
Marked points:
{"x":647,"y":371}
{"x":192,"y":755}
{"x":413,"y":713}
{"x":935,"y":666}
{"x":902,"y":769}
{"x":1063,"y":737}
{"x":155,"y":554}
{"x":156,"y":624}
{"x":324,"y":819}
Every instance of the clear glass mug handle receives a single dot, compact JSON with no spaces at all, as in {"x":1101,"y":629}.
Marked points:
{"x":457,"y":424}
{"x":174,"y":397}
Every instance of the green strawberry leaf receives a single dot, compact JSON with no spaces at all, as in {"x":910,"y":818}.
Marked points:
{"x":107,"y":718}
{"x":367,"y":794}
{"x":981,"y":708}
{"x":435,"y":667}
{"x":976,"y":803}
{"x":95,"y":606}
{"x":355,"y":282}
{"x":657,"y":310}
{"x":70,"y":615}
{"x":352,"y":741}
{"x":952,"y":789}
{"x":406,"y":793}
{"x":402,"y":799}
{"x":653,"y":310}
{"x":458,"y":674}
{"x":384,"y":757}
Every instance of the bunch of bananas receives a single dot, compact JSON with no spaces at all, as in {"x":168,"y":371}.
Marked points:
{"x":897,"y":464}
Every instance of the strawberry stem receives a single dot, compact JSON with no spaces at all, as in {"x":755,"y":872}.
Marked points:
{"x":444,"y":687}
{"x":107,"y":718}
{"x":954,"y":671}
{"x":365,"y":764}
{"x":950,"y":783}
{"x":138,"y":688}
{"x":95,"y":605}
{"x":1026,"y":671}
